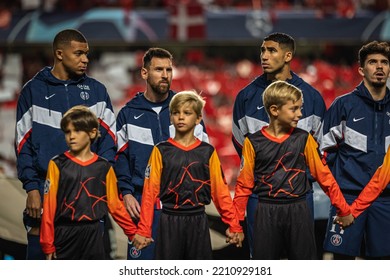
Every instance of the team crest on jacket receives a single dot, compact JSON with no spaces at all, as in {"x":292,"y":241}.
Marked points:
{"x":46,"y":187}
{"x":84,"y":95}
{"x":134,"y":252}
{"x":336,"y":240}
{"x":147,"y":171}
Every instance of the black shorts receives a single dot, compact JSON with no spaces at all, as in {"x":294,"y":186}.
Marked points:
{"x":80,"y":241}
{"x":284,"y":230}
{"x":183,"y":237}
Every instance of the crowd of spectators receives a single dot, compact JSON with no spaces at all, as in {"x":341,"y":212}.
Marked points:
{"x":343,"y":8}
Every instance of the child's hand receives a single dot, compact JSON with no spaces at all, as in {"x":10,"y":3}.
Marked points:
{"x":345,"y":221}
{"x":141,"y":242}
{"x":234,"y":238}
{"x":51,"y":256}
{"x":229,"y":236}
{"x":238,"y":238}
{"x":149,"y":240}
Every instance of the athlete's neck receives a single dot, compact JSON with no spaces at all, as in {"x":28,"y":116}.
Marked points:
{"x":154,"y":97}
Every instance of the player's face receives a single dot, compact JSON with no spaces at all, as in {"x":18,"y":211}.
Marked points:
{"x":376,"y":70}
{"x":184,"y":119}
{"x":74,"y":59}
{"x":158,"y":76}
{"x":290,"y":113}
{"x":273,"y":57}
{"x":78,"y":141}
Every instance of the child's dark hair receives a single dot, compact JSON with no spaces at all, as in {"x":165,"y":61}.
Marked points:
{"x":82,"y":119}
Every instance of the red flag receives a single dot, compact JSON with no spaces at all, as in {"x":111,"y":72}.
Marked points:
{"x":187,"y":20}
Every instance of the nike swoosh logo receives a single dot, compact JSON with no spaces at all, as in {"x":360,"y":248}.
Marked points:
{"x":48,"y":97}
{"x":259,"y":108}
{"x":137,"y":117}
{"x":359,"y":119}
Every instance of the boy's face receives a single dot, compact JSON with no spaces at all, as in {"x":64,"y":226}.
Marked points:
{"x":376,"y":70}
{"x":78,"y":141}
{"x":289,"y":114}
{"x":184,"y":119}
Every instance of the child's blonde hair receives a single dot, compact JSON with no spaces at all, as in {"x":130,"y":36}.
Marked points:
{"x":279,"y":93}
{"x":187,"y":96}
{"x":82,"y":119}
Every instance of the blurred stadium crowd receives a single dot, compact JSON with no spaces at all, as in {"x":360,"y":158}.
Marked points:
{"x":324,"y":7}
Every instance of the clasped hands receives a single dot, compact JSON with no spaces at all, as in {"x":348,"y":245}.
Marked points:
{"x":234,"y":238}
{"x":141,"y":242}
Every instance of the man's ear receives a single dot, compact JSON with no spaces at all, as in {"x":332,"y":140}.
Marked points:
{"x":288,"y":56}
{"x":361,"y":72}
{"x":59,"y":54}
{"x":144,"y":73}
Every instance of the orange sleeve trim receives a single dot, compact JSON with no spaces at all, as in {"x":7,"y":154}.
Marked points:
{"x":245,"y":179}
{"x":150,"y":192}
{"x":49,"y":208}
{"x":116,"y":206}
{"x":322,"y":174}
{"x":374,"y":188}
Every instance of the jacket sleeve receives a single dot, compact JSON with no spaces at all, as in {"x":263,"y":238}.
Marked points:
{"x":322,"y":174}
{"x":200,"y":132}
{"x":319,"y":110}
{"x":239,"y":128}
{"x":245,"y":180}
{"x":150,"y":193}
{"x":49,"y":209}
{"x":221,"y":196}
{"x":106,"y":143}
{"x":122,"y":164}
{"x":374,"y":188}
{"x":330,"y":133}
{"x":27,"y":173}
{"x":116,"y":207}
